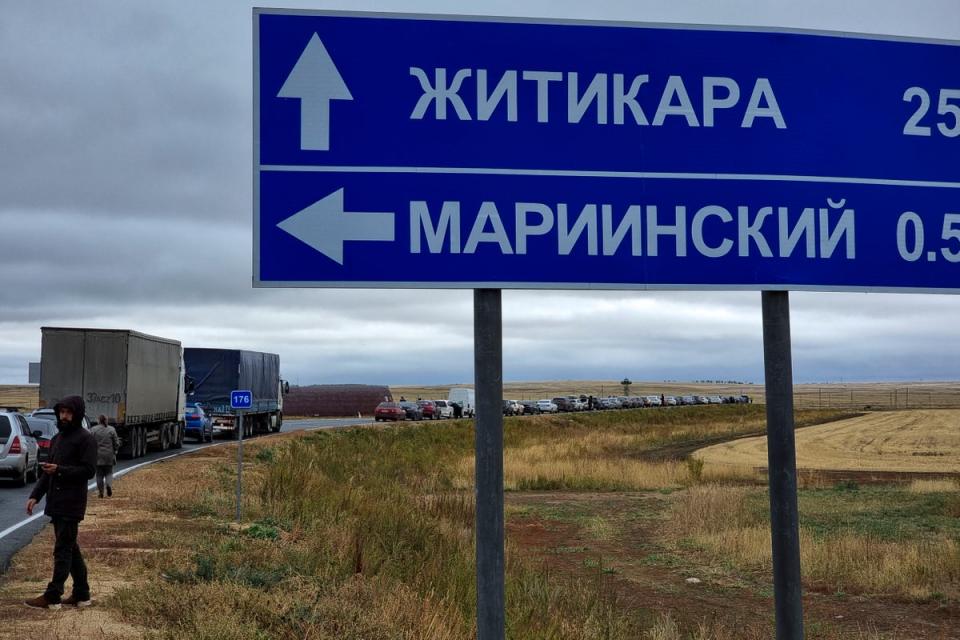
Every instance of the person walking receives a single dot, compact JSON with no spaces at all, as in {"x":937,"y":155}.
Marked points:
{"x":107,"y":446}
{"x":72,"y":462}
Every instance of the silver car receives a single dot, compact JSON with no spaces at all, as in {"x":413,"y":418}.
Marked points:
{"x":19,"y":457}
{"x":48,"y":414}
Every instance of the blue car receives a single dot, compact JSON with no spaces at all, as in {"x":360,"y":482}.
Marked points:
{"x":197,"y":423}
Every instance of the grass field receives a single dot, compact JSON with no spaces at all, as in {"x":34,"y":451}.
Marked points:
{"x":23,"y":397}
{"x":367,"y":533}
{"x":916,"y":441}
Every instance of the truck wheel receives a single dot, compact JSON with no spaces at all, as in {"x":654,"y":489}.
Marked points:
{"x":178,"y":436}
{"x":141,"y":442}
{"x":164,"y":437}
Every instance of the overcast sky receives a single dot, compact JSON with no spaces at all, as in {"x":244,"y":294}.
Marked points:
{"x":125,"y":202}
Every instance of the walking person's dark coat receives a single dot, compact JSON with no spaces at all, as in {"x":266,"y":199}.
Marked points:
{"x":73,"y":460}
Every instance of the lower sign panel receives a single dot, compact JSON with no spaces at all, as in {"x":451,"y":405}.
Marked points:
{"x":457,"y":230}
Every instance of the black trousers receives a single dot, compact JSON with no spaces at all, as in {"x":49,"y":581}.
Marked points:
{"x":67,"y":560}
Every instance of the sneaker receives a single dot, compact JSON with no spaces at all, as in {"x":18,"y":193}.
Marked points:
{"x":41,"y":602}
{"x":74,"y":601}
{"x":109,"y":491}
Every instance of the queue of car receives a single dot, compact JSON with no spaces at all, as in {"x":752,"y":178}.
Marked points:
{"x":419,"y":410}
{"x":437,"y":409}
{"x":592,"y":403}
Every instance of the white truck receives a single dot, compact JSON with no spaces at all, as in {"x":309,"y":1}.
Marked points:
{"x":466,"y":398}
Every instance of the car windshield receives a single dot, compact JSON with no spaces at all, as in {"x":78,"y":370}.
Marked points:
{"x":408,"y":405}
{"x":45,"y":427}
{"x":192,"y":411}
{"x":45,"y":416}
{"x":388,"y":405}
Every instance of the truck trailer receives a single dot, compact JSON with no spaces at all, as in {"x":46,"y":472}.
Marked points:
{"x":135,"y":380}
{"x":214,"y":373}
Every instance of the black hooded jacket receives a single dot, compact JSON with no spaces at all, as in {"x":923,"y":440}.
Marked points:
{"x":74,"y":451}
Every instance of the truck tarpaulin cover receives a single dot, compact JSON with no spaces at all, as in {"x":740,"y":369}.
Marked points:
{"x":217,"y":372}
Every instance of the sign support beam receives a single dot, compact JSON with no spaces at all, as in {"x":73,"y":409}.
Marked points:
{"x":488,"y":372}
{"x":239,"y":463}
{"x":782,"y":465}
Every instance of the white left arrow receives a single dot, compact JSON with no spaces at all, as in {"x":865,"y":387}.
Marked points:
{"x":325,"y":226}
{"x":315,"y":81}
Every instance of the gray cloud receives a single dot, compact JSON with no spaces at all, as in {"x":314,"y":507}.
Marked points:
{"x":125,"y":202}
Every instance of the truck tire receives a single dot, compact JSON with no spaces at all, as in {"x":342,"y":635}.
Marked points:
{"x":164,"y":437}
{"x":178,"y":439}
{"x":141,"y":442}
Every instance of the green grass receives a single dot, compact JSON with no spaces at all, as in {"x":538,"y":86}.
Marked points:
{"x":885,"y":512}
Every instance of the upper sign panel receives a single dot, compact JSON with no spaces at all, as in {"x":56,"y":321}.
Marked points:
{"x":428,"y":151}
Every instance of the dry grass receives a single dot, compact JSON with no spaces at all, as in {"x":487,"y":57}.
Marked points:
{"x":903,"y":441}
{"x":23,"y":397}
{"x":727,"y":524}
{"x":623,"y":451}
{"x":562,"y":465}
{"x":943,"y":485}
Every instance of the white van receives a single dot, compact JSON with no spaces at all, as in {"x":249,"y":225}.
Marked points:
{"x":466,"y":398}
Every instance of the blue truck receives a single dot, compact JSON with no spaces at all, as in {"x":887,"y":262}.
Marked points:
{"x":214,"y":373}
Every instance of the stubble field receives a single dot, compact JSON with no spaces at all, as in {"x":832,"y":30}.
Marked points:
{"x":915,"y":441}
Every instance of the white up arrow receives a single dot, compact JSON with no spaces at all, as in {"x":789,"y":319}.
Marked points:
{"x":325,"y":226}
{"x":316,"y":81}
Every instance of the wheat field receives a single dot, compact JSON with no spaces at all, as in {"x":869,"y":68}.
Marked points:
{"x":915,"y":441}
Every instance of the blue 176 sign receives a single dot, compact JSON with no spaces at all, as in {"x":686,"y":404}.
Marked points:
{"x":241,"y":399}
{"x":427,"y":151}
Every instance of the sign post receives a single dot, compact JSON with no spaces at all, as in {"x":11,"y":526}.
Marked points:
{"x":239,"y":401}
{"x":403,"y":151}
{"x":488,"y":371}
{"x":782,"y":465}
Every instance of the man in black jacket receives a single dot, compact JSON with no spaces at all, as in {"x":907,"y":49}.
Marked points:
{"x":73,"y":461}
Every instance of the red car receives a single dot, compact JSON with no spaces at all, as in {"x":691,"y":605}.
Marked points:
{"x":389,"y":411}
{"x":430,"y":411}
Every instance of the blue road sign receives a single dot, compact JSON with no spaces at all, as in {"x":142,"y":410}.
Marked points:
{"x":242,"y":399}
{"x":427,"y":151}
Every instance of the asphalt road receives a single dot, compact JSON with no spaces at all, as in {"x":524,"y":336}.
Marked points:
{"x":17,"y":529}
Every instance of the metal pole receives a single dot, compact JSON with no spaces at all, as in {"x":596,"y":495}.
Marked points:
{"x":488,"y":371}
{"x":239,"y":464}
{"x":782,"y":465}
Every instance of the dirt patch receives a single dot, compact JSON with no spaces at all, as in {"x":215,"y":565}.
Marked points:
{"x":561,"y":529}
{"x":30,"y":570}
